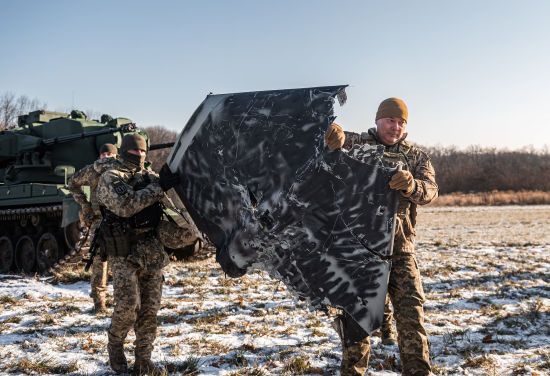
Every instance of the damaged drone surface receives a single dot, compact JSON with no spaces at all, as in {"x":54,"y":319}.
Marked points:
{"x":260,"y":183}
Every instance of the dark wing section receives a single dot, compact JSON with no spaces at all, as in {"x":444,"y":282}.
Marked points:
{"x":259,"y":182}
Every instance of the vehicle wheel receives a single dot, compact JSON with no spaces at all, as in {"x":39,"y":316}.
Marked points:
{"x":6,"y":254}
{"x":25,"y":254}
{"x":47,"y":252}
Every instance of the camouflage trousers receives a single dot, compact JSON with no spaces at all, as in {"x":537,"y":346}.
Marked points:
{"x":137,"y":293}
{"x":387,"y":324}
{"x":98,"y":280}
{"x":407,"y":297}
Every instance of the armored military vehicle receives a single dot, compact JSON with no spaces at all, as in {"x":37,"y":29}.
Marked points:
{"x":39,"y":222}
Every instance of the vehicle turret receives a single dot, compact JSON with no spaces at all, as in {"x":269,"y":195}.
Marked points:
{"x":48,"y":145}
{"x":39,"y":221}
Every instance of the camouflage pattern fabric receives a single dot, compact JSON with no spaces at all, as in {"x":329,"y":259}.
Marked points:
{"x":137,"y":295}
{"x":137,"y":278}
{"x":85,"y":176}
{"x":98,"y":279}
{"x":173,"y":236}
{"x":89,"y":176}
{"x":115,"y":190}
{"x":98,"y":282}
{"x":405,"y":284}
{"x":407,"y":296}
{"x":387,"y":324}
{"x":355,"y":358}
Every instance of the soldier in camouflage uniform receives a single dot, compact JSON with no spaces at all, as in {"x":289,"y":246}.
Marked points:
{"x":132,"y":234}
{"x":417,"y":185}
{"x":91,"y":216}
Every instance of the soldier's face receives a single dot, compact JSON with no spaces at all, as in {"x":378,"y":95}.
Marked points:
{"x":390,"y":130}
{"x":107,"y":155}
{"x":137,"y":152}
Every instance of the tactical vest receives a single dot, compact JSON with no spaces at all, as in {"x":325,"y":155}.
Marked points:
{"x":401,"y":158}
{"x":118,"y":236}
{"x":401,"y":155}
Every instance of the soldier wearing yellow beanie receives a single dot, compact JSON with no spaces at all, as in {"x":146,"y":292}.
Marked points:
{"x":393,"y":108}
{"x":417,"y":186}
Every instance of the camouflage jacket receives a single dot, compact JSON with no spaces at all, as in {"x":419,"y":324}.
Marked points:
{"x":418,"y":163}
{"x":89,"y":176}
{"x":115,"y":190}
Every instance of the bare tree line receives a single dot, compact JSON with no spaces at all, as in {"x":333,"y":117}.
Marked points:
{"x":478,"y":169}
{"x":159,"y":135}
{"x":11,"y":106}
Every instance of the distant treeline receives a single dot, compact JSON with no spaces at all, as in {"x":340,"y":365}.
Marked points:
{"x":478,"y":169}
{"x":159,"y":135}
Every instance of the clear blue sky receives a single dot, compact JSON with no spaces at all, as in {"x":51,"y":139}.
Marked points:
{"x":472,"y":72}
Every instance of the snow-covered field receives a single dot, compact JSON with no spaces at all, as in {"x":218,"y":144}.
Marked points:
{"x":486,"y":278}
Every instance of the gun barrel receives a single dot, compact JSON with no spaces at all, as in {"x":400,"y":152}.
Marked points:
{"x":77,"y":136}
{"x":161,"y":146}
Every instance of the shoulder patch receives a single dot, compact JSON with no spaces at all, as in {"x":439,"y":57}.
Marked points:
{"x":120,"y":187}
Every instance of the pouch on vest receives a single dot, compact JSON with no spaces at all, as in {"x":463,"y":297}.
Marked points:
{"x":116,"y":239}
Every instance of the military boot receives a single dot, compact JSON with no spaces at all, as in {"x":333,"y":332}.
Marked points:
{"x":147,"y":367}
{"x":117,"y":359}
{"x":355,"y":358}
{"x":389,"y":336}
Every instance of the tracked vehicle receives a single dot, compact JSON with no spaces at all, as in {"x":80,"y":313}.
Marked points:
{"x":39,"y":222}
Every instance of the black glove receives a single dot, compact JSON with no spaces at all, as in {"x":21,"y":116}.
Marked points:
{"x":168,"y":179}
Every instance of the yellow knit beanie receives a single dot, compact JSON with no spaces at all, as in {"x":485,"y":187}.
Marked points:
{"x":392,"y":107}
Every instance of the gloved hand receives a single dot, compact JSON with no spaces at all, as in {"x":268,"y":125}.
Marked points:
{"x":335,"y":137}
{"x":403,"y":181}
{"x":87,"y":215}
{"x":168,"y":179}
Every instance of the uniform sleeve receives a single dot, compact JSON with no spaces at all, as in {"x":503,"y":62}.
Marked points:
{"x":120,"y":198}
{"x":82,"y":177}
{"x":352,"y":138}
{"x":424,"y":176}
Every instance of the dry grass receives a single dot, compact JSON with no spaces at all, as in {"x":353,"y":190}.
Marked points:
{"x":5,"y":299}
{"x":12,"y":320}
{"x":43,"y":366}
{"x":494,"y":198}
{"x":189,"y":367}
{"x":93,"y":345}
{"x":300,"y":365}
{"x":71,"y":275}
{"x":485,"y":362}
{"x":502,"y":226}
{"x":250,"y":371}
{"x":66,"y":309}
{"x":203,"y":346}
{"x":47,"y":319}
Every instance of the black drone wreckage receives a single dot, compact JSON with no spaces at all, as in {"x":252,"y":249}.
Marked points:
{"x":259,"y":182}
